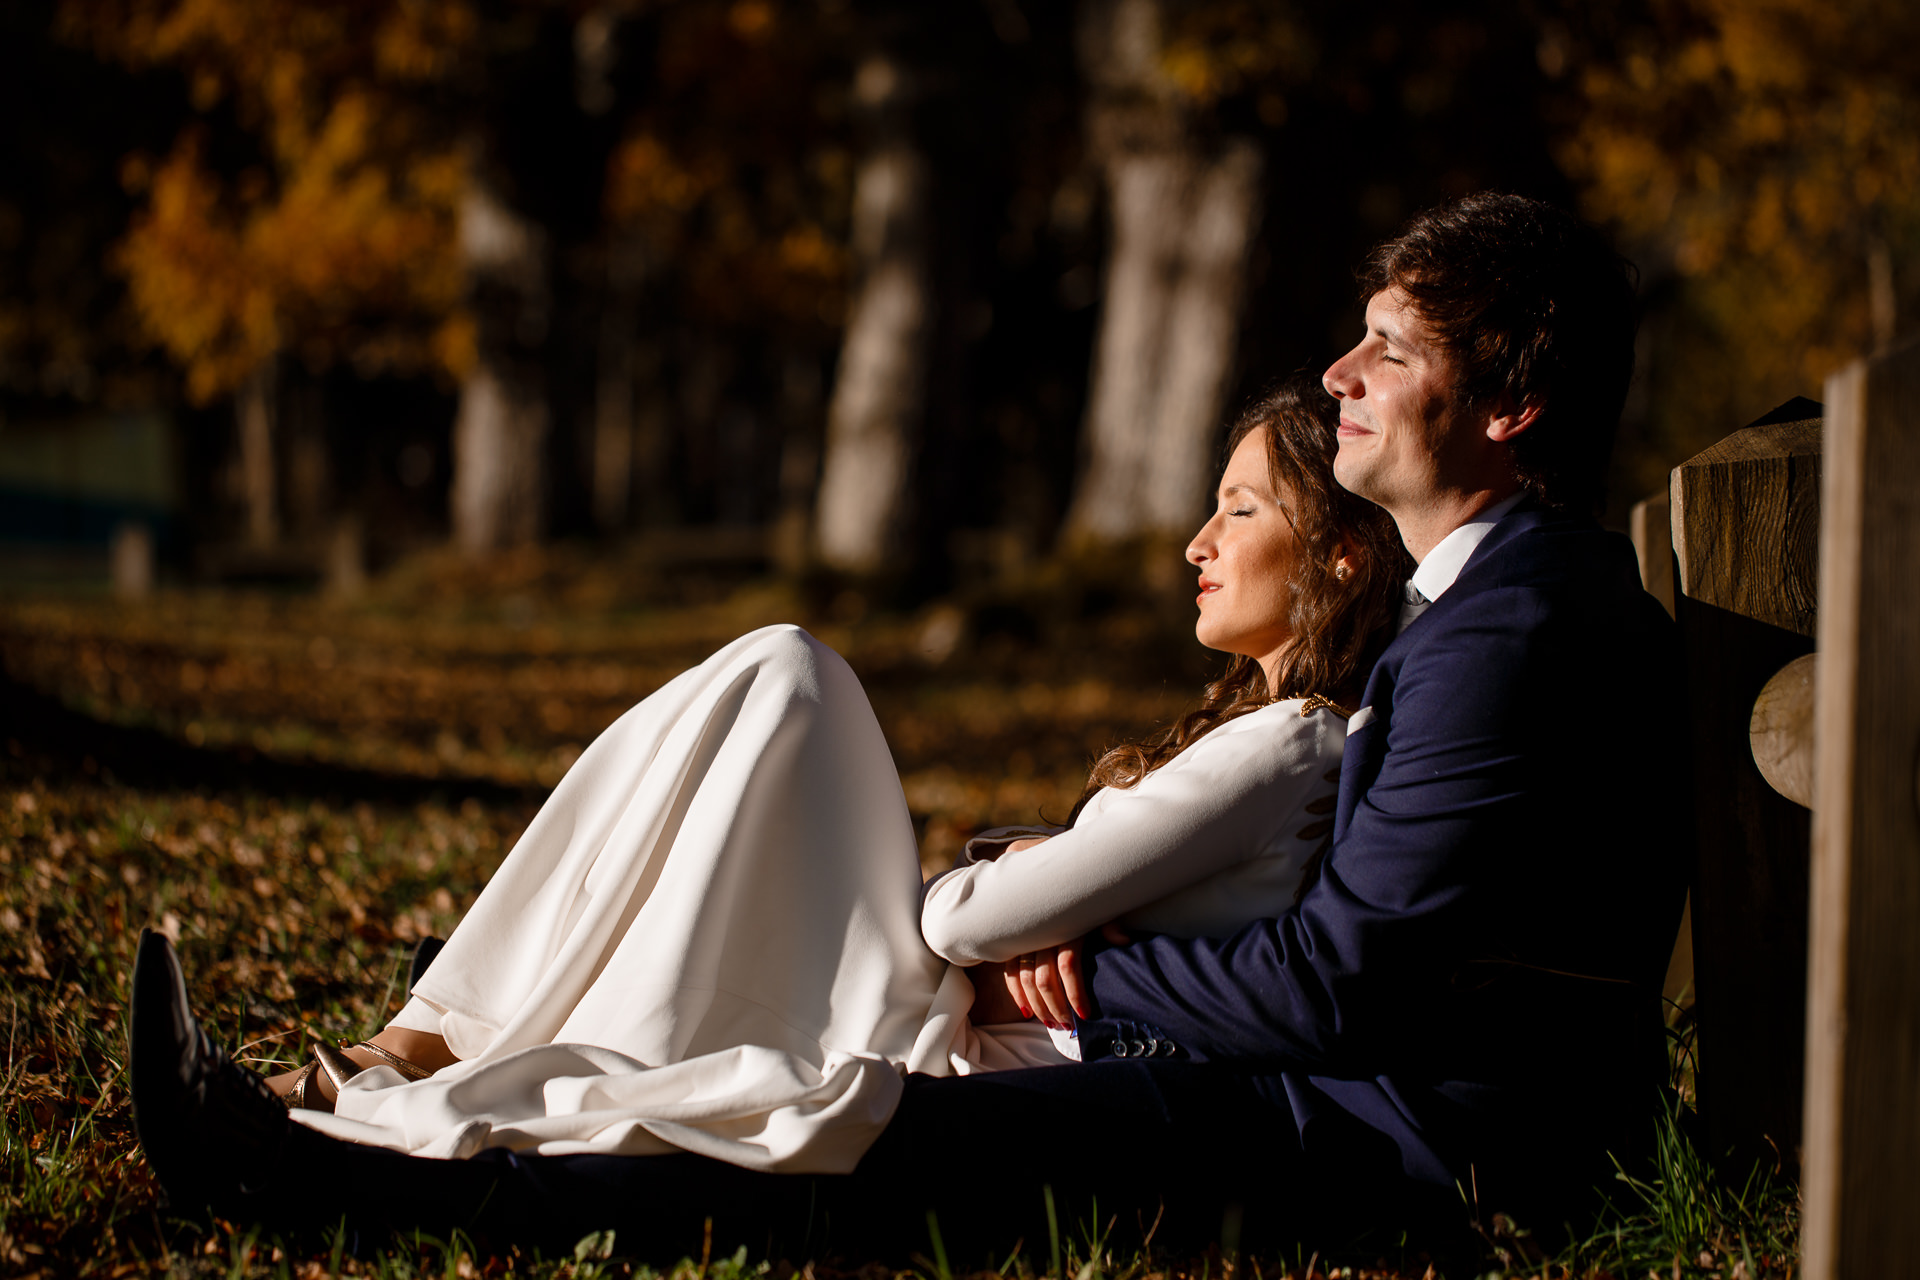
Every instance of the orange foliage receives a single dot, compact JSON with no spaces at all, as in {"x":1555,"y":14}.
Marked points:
{"x":727,"y":173}
{"x":1771,"y":150}
{"x":1222,"y":47}
{"x":340,"y":242}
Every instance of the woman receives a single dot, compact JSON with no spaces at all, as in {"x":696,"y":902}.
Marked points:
{"x":710,"y":938}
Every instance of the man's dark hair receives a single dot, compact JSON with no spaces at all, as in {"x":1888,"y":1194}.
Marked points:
{"x":1530,"y":301}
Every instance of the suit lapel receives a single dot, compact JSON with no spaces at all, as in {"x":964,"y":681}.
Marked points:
{"x":1367,"y":731}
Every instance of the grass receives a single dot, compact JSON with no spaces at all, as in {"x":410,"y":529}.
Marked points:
{"x":295,"y":907}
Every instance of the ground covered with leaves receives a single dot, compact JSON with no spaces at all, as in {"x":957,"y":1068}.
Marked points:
{"x":296,"y":790}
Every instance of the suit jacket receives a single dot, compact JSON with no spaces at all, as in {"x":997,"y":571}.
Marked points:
{"x":1476,"y":974}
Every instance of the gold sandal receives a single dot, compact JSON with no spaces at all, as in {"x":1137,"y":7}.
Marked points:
{"x":340,"y":1069}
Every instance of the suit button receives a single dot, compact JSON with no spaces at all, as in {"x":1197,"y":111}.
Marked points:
{"x":1137,"y":1049}
{"x":1119,"y":1048}
{"x":1168,"y":1048}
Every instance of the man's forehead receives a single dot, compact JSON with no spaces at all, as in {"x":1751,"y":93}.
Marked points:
{"x":1392,"y":315}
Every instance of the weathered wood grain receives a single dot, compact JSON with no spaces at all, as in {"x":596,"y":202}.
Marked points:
{"x":1862,"y":1160}
{"x":1745,"y":535}
{"x":1650,"y":525}
{"x":1782,"y":730}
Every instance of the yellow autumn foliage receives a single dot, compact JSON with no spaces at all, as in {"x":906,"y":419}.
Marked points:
{"x":1769,"y":150}
{"x":339,"y":243}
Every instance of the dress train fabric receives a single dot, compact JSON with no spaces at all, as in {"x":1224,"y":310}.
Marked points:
{"x":707,"y":940}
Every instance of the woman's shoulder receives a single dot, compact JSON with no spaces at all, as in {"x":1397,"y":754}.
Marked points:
{"x":1290,"y":732}
{"x":1304,"y":718}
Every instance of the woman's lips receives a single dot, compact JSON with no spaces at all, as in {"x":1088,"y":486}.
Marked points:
{"x":1207,"y":587}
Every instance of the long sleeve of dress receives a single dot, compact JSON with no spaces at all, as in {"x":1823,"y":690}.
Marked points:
{"x":1214,"y":838}
{"x":1502,"y":824}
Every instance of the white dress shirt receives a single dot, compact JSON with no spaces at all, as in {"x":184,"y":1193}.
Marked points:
{"x":1449,"y":556}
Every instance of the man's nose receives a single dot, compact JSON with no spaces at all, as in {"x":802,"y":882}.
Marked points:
{"x":1339,"y":379}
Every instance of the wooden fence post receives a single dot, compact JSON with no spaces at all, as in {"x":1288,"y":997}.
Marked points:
{"x":1862,"y":1172}
{"x":1745,"y":534}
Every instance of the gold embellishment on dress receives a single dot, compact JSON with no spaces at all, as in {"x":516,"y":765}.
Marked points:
{"x":1314,"y":830}
{"x":1332,"y":775}
{"x":1314,"y":701}
{"x":1325,"y":804}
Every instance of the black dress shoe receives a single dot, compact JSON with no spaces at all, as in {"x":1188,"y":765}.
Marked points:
{"x":212,"y":1131}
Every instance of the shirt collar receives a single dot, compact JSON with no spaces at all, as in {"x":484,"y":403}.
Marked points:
{"x":1444,"y":563}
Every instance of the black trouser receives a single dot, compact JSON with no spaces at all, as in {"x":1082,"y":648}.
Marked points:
{"x":1198,"y":1147}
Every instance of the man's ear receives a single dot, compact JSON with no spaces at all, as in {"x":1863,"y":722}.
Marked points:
{"x":1509,"y":420}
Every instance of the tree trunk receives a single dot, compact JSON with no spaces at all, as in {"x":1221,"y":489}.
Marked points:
{"x":499,"y":437}
{"x":254,"y":412}
{"x":615,"y":394}
{"x":1183,"y":220}
{"x":875,"y":416}
{"x":308,"y":467}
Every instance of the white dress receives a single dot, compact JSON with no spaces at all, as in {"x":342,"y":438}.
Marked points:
{"x":710,"y":937}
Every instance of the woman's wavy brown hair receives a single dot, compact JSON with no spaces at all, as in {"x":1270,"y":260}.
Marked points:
{"x":1339,"y":627}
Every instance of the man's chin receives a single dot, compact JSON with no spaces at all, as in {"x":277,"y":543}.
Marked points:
{"x":1351,"y":474}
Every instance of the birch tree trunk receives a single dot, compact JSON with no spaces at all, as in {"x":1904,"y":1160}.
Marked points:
{"x":877,"y":409}
{"x":1183,"y":221}
{"x":499,"y":437}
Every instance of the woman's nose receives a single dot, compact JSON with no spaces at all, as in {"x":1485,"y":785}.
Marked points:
{"x":1200,"y":550}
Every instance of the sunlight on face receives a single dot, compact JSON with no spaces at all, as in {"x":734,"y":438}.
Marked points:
{"x":1397,"y":408}
{"x":1246,"y":555}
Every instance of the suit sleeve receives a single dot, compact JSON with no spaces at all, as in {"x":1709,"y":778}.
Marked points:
{"x":1371,"y":947}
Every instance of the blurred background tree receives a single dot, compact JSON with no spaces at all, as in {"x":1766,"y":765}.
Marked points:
{"x":305,"y":219}
{"x":1761,"y":159}
{"x":909,"y":296}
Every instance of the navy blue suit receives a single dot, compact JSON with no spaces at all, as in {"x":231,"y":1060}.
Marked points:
{"x":1476,"y":973}
{"x":1469,"y":990}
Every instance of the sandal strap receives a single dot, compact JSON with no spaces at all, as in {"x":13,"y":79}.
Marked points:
{"x":338,"y":1066}
{"x":411,"y":1070}
{"x":298,"y":1097}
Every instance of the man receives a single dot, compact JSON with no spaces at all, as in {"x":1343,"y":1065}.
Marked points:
{"x":1466,"y":997}
{"x":1476,"y":972}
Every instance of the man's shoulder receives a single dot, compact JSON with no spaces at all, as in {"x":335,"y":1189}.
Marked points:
{"x":1553,"y":562}
{"x":1540,"y":577}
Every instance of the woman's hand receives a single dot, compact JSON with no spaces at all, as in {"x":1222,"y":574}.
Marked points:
{"x":1047,"y":983}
